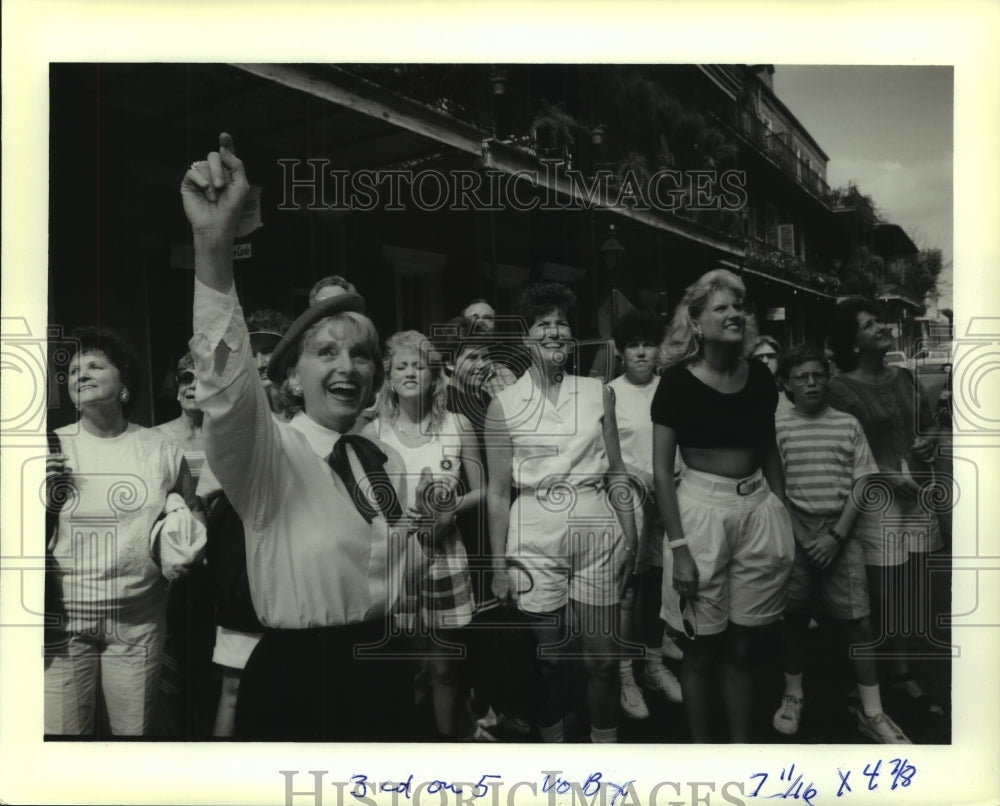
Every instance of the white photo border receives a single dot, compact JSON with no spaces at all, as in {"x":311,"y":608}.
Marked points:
{"x":963,"y":34}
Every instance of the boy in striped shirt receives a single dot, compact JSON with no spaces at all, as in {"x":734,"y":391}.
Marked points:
{"x":824,"y":454}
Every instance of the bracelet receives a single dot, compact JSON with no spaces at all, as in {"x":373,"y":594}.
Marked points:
{"x":676,"y":544}
{"x":833,"y":533}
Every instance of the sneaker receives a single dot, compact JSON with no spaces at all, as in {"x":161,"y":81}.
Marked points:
{"x":659,"y":678}
{"x":670,"y":649}
{"x":489,"y":719}
{"x":633,"y":703}
{"x":481,"y":734}
{"x":881,"y":728}
{"x":788,"y":716}
{"x":513,"y":724}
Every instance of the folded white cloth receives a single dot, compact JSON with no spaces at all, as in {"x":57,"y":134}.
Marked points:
{"x":178,"y":539}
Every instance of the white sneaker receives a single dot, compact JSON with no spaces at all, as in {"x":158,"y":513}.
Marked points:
{"x":659,"y":678}
{"x":481,"y":734}
{"x":633,"y":703}
{"x":788,"y":716}
{"x":670,"y":649}
{"x":489,"y":719}
{"x":881,"y":728}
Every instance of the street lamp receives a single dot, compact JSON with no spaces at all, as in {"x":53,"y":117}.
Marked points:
{"x":612,"y":251}
{"x":498,"y":81}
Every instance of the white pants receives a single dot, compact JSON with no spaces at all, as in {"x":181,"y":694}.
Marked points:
{"x":121,"y":652}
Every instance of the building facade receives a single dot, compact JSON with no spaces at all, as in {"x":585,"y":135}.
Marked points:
{"x":430,"y":185}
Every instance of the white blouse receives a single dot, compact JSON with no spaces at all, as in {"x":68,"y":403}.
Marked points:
{"x":312,"y":559}
{"x":561,"y":441}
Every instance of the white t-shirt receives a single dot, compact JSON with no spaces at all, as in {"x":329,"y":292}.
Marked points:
{"x":635,"y":427}
{"x":119,"y":488}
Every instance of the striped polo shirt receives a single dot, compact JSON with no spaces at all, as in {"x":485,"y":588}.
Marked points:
{"x":822,"y":455}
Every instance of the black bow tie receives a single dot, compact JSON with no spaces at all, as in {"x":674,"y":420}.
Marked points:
{"x":373,"y":463}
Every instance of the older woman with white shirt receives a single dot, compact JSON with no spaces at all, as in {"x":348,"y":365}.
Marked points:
{"x":324,"y":563}
{"x":123,"y":489}
{"x":553,"y":436}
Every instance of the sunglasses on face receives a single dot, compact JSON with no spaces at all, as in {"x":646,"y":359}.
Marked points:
{"x":185,"y":378}
{"x":689,"y":617}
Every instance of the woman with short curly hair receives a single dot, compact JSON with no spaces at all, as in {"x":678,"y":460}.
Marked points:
{"x":553,"y":437}
{"x":119,"y":482}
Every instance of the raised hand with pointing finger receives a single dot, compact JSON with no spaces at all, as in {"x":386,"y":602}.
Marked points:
{"x":214,"y":191}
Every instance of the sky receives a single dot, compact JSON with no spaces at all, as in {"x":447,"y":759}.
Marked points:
{"x":890,"y":131}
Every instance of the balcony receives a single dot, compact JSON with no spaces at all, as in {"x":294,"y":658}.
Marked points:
{"x":850,"y":198}
{"x":767,"y":259}
{"x":775,"y":146}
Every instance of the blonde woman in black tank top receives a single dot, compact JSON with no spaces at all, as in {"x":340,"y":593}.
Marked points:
{"x":728,"y":546}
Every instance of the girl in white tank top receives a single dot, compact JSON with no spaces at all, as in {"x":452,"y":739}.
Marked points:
{"x":412,"y":419}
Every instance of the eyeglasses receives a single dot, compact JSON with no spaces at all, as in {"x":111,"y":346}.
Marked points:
{"x":185,"y":378}
{"x":690,"y":623}
{"x":803,"y":378}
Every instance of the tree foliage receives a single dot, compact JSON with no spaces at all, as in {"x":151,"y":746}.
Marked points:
{"x":919,"y":273}
{"x":863,"y":273}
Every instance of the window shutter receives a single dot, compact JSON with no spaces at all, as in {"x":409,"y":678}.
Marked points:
{"x":786,"y":238}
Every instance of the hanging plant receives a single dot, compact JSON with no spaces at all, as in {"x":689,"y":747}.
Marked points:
{"x":553,"y":129}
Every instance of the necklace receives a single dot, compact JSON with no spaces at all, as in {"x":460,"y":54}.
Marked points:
{"x":417,"y":431}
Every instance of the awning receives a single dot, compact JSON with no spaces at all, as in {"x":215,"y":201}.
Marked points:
{"x":369,"y":100}
{"x":789,"y":283}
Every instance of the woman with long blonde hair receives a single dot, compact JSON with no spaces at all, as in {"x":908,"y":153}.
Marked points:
{"x":436,"y":447}
{"x":728,"y":545}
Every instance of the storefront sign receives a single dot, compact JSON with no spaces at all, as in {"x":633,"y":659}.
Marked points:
{"x":250,"y":217}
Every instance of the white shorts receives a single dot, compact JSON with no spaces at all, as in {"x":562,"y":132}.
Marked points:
{"x":563,"y":549}
{"x":233,"y":648}
{"x":740,"y":536}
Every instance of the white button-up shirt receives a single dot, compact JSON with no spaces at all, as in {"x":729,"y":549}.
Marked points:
{"x":561,"y":441}
{"x":312,"y":559}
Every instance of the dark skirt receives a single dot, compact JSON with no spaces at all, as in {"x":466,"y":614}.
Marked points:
{"x":312,"y":685}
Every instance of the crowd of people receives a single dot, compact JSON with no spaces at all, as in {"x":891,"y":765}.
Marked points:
{"x":346,"y":537}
